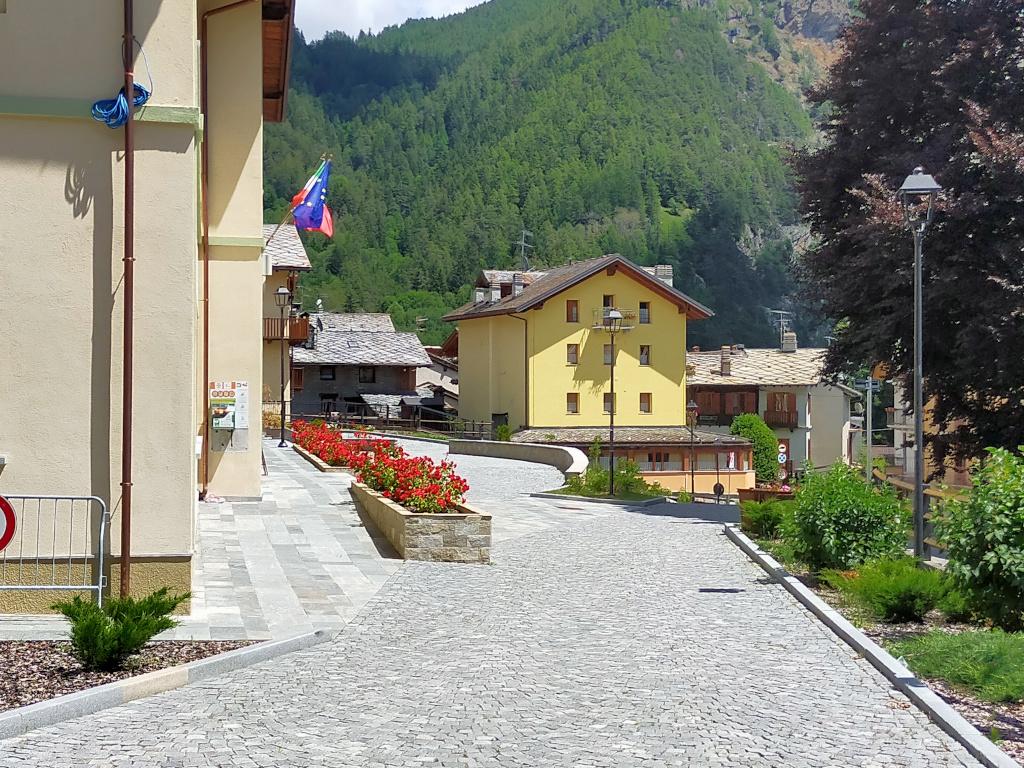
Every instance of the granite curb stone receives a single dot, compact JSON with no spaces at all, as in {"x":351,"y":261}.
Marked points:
{"x":57,"y":710}
{"x":941,"y":713}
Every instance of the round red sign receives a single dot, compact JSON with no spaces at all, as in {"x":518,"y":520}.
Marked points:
{"x":6,"y":523}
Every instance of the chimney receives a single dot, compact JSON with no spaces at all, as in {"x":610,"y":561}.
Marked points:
{"x":789,"y":341}
{"x":480,"y":295}
{"x":664,"y":273}
{"x":726,"y":361}
{"x":517,"y":283}
{"x":495,"y":292}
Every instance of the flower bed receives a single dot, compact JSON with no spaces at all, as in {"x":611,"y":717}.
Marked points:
{"x":328,"y":449}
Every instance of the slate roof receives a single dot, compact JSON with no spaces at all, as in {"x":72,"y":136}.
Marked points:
{"x":559,"y":279}
{"x":286,"y":250}
{"x":359,"y":339}
{"x":625,"y":436}
{"x":760,"y":367}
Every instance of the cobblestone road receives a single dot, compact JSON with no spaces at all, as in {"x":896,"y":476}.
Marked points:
{"x":620,"y":640}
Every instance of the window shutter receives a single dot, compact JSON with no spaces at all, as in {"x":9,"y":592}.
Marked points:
{"x":297,"y":378}
{"x":750,"y":402}
{"x":791,"y":402}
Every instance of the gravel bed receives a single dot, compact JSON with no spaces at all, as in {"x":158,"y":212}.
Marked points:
{"x":36,"y":670}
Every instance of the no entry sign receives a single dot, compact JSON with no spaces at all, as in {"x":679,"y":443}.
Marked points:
{"x":6,"y":523}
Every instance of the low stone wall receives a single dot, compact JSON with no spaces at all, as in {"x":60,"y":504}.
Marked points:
{"x":462,"y":537}
{"x":317,"y":462}
{"x":570,"y":461}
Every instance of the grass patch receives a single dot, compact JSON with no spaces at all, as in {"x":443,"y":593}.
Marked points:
{"x":619,"y":495}
{"x":987,"y":664}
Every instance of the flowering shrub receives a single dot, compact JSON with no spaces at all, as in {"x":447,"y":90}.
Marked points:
{"x":331,"y":446}
{"x":415,"y":482}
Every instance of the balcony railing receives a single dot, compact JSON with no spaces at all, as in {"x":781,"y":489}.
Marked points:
{"x":781,"y":418}
{"x":601,"y":317}
{"x":294,"y":329}
{"x":715,"y":419}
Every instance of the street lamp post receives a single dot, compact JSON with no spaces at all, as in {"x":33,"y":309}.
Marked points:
{"x":918,"y":192}
{"x":692,"y":413}
{"x":612,"y":325}
{"x":283,"y":298}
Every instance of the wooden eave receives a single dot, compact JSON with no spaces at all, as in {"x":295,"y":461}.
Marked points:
{"x":278,"y":23}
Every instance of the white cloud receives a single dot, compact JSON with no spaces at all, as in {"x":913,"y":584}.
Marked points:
{"x":315,"y":17}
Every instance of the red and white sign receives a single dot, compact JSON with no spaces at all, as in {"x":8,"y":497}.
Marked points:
{"x":6,"y":523}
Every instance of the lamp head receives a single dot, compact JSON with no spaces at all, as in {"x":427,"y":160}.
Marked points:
{"x":613,"y":320}
{"x":282,"y":297}
{"x":918,"y":188}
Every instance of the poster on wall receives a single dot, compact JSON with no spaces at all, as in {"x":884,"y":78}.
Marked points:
{"x":229,"y":404}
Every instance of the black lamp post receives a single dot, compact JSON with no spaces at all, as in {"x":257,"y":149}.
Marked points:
{"x":283,"y":298}
{"x":612,"y":325}
{"x":917,"y":196}
{"x":692,"y":413}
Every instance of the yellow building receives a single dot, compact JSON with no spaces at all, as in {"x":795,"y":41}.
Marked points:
{"x":218,"y":69}
{"x":535,"y":352}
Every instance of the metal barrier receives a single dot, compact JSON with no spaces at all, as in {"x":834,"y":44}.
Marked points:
{"x":59,"y":544}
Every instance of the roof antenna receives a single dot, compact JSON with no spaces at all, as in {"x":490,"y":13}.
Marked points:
{"x":783,"y":319}
{"x":524,"y":246}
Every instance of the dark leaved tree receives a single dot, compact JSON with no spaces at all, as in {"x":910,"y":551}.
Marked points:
{"x":938,"y":83}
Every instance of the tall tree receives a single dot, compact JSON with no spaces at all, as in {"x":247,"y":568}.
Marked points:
{"x":938,"y":83}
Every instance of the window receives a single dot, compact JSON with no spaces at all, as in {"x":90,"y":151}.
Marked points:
{"x":326,"y":373}
{"x":607,"y":354}
{"x":367,"y":374}
{"x":740,"y":402}
{"x":645,"y":354}
{"x":645,"y":312}
{"x":645,"y":402}
{"x":608,"y":301}
{"x":609,"y":402}
{"x":572,"y":402}
{"x":572,"y":311}
{"x":297,"y":378}
{"x":572,"y":353}
{"x":782,"y":402}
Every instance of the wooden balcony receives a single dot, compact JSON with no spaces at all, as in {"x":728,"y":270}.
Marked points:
{"x":294,"y":329}
{"x":781,"y":419}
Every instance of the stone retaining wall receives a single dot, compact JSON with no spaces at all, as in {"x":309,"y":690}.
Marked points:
{"x":317,"y":462}
{"x":570,"y":461}
{"x":462,"y":537}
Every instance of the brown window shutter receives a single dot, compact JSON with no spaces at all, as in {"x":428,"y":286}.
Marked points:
{"x":297,"y":378}
{"x":791,"y":402}
{"x":750,"y":402}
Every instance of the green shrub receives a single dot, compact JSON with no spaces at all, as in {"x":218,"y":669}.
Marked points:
{"x":956,"y":605}
{"x":684,"y":497}
{"x":988,"y":664}
{"x":103,"y":638}
{"x":762,"y":519}
{"x":984,"y":539}
{"x":751,"y":427}
{"x":504,"y":432}
{"x":839,"y":521}
{"x":891,"y":590}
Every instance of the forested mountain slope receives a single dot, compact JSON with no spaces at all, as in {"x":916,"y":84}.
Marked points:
{"x":633,"y":126}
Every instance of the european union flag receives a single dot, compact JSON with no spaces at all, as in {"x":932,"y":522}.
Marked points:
{"x":309,"y":207}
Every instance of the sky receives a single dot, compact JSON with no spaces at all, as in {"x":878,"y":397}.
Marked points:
{"x":315,"y":17}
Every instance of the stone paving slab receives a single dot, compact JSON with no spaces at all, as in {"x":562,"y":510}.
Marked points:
{"x":301,"y":559}
{"x":625,"y":640}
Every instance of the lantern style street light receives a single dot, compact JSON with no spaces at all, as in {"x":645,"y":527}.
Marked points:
{"x":283,"y":298}
{"x":692,"y":414}
{"x":611,"y":323}
{"x":917,"y":197}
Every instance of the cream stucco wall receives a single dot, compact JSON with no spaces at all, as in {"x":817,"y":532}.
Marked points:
{"x":234,"y":130}
{"x":830,"y":438}
{"x":60,"y":266}
{"x":491,"y":369}
{"x":272,"y":349}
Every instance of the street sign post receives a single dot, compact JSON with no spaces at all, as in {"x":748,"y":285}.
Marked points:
{"x":7,"y":523}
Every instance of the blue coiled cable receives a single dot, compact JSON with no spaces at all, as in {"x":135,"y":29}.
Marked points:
{"x":114,"y":112}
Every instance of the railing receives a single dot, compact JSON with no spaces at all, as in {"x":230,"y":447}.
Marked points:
{"x":932,"y":498}
{"x":424,"y":420}
{"x":715,"y":419}
{"x":601,"y":319}
{"x":58,"y":544}
{"x":781,"y":419}
{"x":294,"y":329}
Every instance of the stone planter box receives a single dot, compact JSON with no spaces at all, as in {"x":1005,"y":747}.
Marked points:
{"x":460,"y":537}
{"x":319,"y":463}
{"x":763,"y":494}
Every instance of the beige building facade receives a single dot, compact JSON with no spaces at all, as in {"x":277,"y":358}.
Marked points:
{"x":62,"y":219}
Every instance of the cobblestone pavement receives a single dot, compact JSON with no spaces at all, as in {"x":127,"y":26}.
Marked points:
{"x":300,"y":559}
{"x":622,"y":640}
